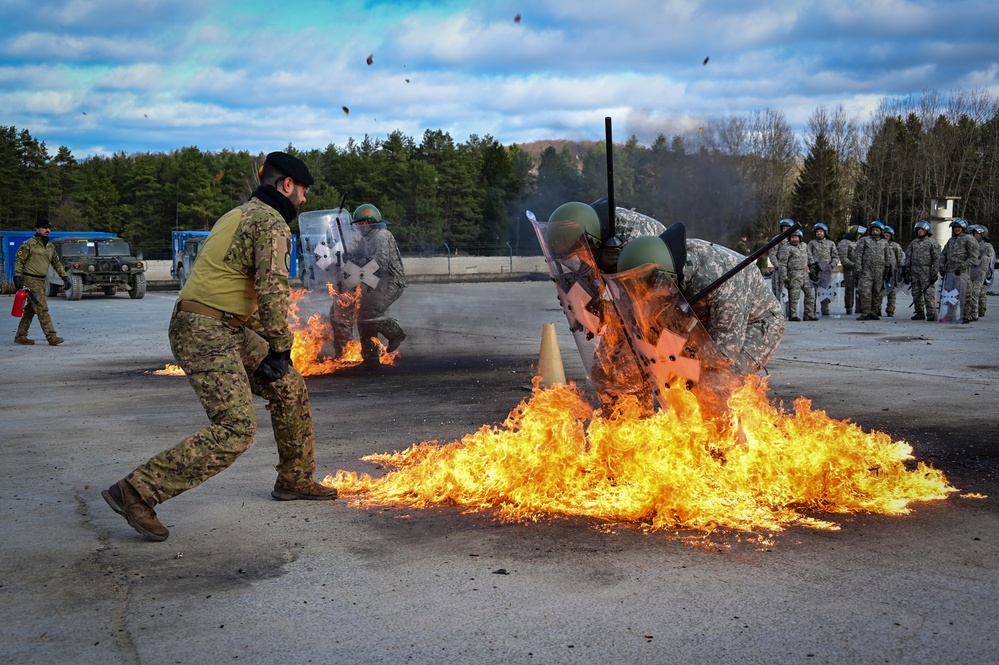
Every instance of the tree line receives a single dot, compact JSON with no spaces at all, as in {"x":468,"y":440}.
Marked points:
{"x":733,"y":176}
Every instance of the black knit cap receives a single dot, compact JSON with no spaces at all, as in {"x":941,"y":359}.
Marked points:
{"x":290,"y":166}
{"x":43,"y":224}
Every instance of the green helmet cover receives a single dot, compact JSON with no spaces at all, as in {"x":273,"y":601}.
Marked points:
{"x":646,"y":249}
{"x":367,"y":214}
{"x":569,"y":222}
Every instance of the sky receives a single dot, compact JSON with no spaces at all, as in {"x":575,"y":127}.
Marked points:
{"x":106,"y":76}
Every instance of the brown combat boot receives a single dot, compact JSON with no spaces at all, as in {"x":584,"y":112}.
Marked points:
{"x":23,"y":340}
{"x":395,"y":342}
{"x":56,"y":341}
{"x":311,"y":492}
{"x":124,"y":500}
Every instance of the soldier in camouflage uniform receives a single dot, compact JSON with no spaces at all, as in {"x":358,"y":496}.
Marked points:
{"x":845,"y":248}
{"x":977,"y":280}
{"x":871,"y":258}
{"x":922,"y":261}
{"x":988,"y":254}
{"x":31,"y":265}
{"x":628,"y":225}
{"x":372,"y":314}
{"x":229,"y":333}
{"x":776,"y":256}
{"x":795,"y":269}
{"x":958,"y":256}
{"x":898,"y":256}
{"x":825,"y":253}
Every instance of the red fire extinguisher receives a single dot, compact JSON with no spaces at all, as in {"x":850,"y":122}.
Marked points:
{"x":19,"y":298}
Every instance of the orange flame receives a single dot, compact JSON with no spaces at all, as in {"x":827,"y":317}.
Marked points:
{"x":555,"y":455}
{"x":169,"y":370}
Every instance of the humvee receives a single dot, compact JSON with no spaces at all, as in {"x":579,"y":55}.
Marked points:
{"x":98,"y":264}
{"x":185,"y":264}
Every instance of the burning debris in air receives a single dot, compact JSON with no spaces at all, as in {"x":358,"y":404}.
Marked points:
{"x":760,"y":470}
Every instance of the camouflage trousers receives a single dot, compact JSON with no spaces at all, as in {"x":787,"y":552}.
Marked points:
{"x":869,"y":289}
{"x":796,"y":284}
{"x":924,"y":297}
{"x":892,"y":299}
{"x":849,"y":289}
{"x":39,"y":309}
{"x":983,"y":298}
{"x":972,"y":302}
{"x":219,"y":361}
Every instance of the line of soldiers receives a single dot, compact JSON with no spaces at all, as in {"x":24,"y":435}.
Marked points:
{"x":874,"y":266}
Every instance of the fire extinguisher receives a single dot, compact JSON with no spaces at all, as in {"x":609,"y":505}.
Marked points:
{"x":19,"y":299}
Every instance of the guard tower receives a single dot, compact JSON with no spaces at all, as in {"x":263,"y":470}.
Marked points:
{"x":941,"y":215}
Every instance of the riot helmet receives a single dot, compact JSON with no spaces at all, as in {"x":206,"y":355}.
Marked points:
{"x":786,"y":224}
{"x":821,"y":227}
{"x":889,"y":231}
{"x":924,"y":225}
{"x":959,"y":223}
{"x":797,"y":233}
{"x":570,"y":222}
{"x":647,"y":249}
{"x":366,"y":214}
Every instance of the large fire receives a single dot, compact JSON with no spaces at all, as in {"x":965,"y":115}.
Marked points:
{"x":762,"y":469}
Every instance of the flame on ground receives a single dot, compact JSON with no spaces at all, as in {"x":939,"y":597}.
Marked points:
{"x":169,"y":370}
{"x":763,"y":470}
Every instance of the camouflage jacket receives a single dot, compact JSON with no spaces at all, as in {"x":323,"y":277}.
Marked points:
{"x":897,"y":254}
{"x":960,"y":253}
{"x":824,"y":250}
{"x":872,"y":256}
{"x":845,"y":249}
{"x":777,"y":252}
{"x":34,"y":257}
{"x":923,"y":256}
{"x":381,"y":246}
{"x":243,"y":269}
{"x":979,"y":269}
{"x":727,"y":311}
{"x":797,"y":260}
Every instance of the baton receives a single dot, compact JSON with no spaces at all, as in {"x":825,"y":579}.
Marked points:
{"x":31,"y":295}
{"x":776,"y":240}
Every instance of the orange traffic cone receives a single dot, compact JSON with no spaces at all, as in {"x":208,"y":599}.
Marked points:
{"x":550,"y":367}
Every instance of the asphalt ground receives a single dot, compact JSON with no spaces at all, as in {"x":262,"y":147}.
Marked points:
{"x":245,"y":578}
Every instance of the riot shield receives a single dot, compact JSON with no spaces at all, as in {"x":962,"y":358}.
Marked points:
{"x":670,"y":343}
{"x":322,"y":246}
{"x":580,"y":287}
{"x":951,"y":299}
{"x":825,"y":290}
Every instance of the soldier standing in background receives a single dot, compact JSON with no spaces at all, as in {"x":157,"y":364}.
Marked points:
{"x":898,"y":256}
{"x":776,"y":256}
{"x":31,"y":265}
{"x":871,"y":258}
{"x":978,"y":270}
{"x":229,"y":333}
{"x":958,"y":256}
{"x":845,"y":249}
{"x":743,"y":245}
{"x":796,"y":268}
{"x":922,"y":261}
{"x":988,"y":253}
{"x":825,"y":255}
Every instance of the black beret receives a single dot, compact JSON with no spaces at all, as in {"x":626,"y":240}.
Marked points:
{"x":43,"y":224}
{"x":290,"y":166}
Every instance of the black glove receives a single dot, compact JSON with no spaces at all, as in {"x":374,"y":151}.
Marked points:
{"x":933,"y":280}
{"x":907,"y":275}
{"x":273,"y":367}
{"x":67,"y":283}
{"x":958,"y":272}
{"x":18,"y":282}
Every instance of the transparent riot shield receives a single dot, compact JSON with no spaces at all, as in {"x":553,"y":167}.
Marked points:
{"x":951,"y":299}
{"x":321,"y":239}
{"x":670,"y":344}
{"x":580,"y":287}
{"x":825,"y":290}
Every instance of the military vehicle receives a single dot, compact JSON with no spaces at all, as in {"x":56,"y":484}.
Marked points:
{"x":98,"y":264}
{"x":185,"y":262}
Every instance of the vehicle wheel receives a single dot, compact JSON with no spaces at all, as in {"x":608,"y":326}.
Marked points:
{"x":51,"y":290}
{"x":181,"y":276}
{"x":110,"y":290}
{"x":76,"y":292}
{"x":138,"y":289}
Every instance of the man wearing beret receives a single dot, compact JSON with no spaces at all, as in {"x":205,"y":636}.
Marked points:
{"x":229,"y":333}
{"x":31,"y":264}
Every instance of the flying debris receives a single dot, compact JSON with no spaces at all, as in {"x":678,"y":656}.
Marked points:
{"x":83,"y":112}
{"x":703,"y":63}
{"x":407,"y":80}
{"x":371,"y":58}
{"x":516,"y":19}
{"x":346,"y":111}
{"x":145,"y":115}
